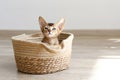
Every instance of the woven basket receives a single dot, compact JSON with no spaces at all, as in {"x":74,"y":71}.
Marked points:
{"x":33,"y":56}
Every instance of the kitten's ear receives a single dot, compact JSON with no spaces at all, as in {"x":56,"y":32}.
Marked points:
{"x":60,"y":24}
{"x":42,"y":22}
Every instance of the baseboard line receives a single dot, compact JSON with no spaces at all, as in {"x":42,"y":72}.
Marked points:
{"x":77,"y":33}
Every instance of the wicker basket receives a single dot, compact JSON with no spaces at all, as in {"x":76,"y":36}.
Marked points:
{"x":33,"y":56}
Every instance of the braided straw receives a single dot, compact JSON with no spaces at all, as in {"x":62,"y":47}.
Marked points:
{"x":33,"y":56}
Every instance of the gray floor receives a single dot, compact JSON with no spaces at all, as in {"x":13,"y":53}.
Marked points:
{"x":93,"y":58}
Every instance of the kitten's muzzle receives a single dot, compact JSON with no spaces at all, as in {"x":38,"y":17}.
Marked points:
{"x":50,"y":32}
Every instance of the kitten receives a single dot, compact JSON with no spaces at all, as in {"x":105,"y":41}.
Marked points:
{"x":51,"y":31}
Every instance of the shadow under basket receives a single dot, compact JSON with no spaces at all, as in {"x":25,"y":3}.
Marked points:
{"x":36,"y":57}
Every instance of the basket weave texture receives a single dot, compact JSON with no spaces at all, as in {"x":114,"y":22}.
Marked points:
{"x":33,"y":56}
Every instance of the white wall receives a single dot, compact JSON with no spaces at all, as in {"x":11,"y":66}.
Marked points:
{"x":79,"y":14}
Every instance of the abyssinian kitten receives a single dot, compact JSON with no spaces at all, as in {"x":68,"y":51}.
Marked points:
{"x":51,"y":31}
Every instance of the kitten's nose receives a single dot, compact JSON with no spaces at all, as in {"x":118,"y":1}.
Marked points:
{"x":49,"y":31}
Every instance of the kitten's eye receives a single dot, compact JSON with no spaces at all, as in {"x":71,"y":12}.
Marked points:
{"x":46,"y":28}
{"x":53,"y":28}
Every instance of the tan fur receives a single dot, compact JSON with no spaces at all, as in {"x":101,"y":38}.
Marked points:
{"x":51,"y":31}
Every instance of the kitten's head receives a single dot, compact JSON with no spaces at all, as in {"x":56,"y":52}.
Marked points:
{"x":51,"y":29}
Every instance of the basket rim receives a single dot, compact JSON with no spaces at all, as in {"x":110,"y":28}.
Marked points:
{"x":15,"y":38}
